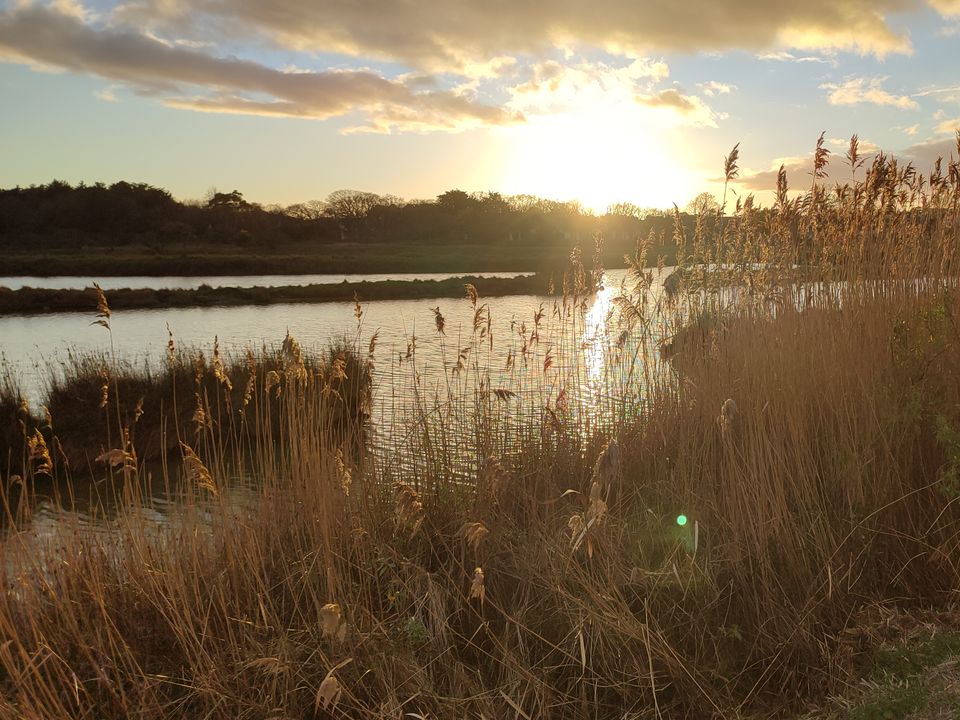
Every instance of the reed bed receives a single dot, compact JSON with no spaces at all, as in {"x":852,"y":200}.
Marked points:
{"x":723,"y":538}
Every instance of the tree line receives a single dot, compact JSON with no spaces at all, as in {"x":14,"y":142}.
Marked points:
{"x":59,"y":215}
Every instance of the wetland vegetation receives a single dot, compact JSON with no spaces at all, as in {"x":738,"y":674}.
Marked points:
{"x":732,"y":540}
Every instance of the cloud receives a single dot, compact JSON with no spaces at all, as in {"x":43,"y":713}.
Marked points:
{"x":912,"y":130}
{"x":669,"y":98}
{"x":799,"y":168}
{"x":186,"y":74}
{"x":798,"y":175}
{"x":551,"y":78}
{"x":949,"y":126}
{"x":450,"y":36}
{"x":784,"y":56}
{"x":554,"y":87}
{"x":866,"y":90}
{"x":948,"y":91}
{"x":945,"y":94}
{"x":72,"y":8}
{"x":186,"y":77}
{"x":712,"y":88}
{"x":926,"y":153}
{"x":596,"y":88}
{"x":841,"y":145}
{"x":107,"y":94}
{"x":946,"y":7}
{"x":686,"y":106}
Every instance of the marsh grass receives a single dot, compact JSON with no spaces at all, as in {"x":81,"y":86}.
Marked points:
{"x":522,"y":558}
{"x":119,"y":420}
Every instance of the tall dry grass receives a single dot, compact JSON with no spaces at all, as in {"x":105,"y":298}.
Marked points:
{"x":810,"y":437}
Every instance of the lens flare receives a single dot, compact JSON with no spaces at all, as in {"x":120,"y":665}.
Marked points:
{"x":681,"y":520}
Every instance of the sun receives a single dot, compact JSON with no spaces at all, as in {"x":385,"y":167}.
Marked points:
{"x":598,"y":156}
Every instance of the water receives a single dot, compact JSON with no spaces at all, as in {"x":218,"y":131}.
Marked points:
{"x":34,"y":345}
{"x":587,"y":354}
{"x":138,"y":282}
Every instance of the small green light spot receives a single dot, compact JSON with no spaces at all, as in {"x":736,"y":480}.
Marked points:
{"x":681,"y":520}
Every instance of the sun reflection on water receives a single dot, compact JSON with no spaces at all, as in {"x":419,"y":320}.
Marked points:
{"x":595,"y":334}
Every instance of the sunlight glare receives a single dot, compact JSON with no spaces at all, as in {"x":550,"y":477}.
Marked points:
{"x":599,"y":156}
{"x":595,"y":334}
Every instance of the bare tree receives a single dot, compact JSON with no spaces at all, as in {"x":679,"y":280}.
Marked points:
{"x":703,"y":203}
{"x":350,"y":204}
{"x":310,"y":210}
{"x":626,"y":209}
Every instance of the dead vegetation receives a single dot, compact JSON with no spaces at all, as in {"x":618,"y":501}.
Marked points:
{"x":721,"y":552}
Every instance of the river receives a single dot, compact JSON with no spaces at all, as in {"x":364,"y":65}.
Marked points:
{"x":586,"y":354}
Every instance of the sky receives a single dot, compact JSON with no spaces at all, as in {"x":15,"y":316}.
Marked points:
{"x":601,"y":102}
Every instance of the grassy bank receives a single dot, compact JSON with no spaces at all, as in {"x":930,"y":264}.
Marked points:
{"x":735,"y":550}
{"x":41,"y":300}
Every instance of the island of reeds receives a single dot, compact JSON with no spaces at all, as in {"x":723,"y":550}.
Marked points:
{"x":766,"y":499}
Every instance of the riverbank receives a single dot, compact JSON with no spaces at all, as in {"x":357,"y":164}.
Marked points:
{"x":42,"y":300}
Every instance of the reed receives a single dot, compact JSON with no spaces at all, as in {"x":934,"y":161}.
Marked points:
{"x":718,"y":542}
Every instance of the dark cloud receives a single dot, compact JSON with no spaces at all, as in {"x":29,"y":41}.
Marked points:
{"x":453,"y":34}
{"x":800,"y":171}
{"x":182,"y":76}
{"x":925,"y":154}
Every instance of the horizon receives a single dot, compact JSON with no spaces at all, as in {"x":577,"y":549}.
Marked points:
{"x":389,"y":198}
{"x":624,"y":105}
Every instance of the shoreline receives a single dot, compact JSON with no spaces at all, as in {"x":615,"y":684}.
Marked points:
{"x":39,"y":301}
{"x":54,"y":265}
{"x":347,"y":258}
